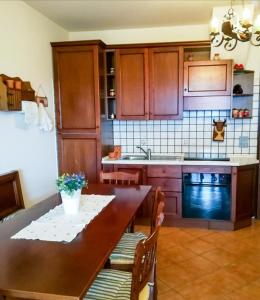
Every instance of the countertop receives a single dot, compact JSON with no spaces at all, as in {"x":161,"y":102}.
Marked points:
{"x":235,"y":161}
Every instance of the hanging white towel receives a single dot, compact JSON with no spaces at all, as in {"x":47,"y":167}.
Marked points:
{"x":31,"y":113}
{"x":45,"y":122}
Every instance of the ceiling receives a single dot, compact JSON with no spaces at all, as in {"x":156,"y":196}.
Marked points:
{"x":87,"y":15}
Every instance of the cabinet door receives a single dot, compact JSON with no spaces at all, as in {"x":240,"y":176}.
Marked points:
{"x":173,"y":205}
{"x":166,"y":83}
{"x":244,"y":192}
{"x":131,"y":84}
{"x":207,"y":78}
{"x":76,"y":87}
{"x":79,"y":154}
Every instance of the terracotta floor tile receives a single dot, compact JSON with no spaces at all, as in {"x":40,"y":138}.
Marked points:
{"x":199,"y":266}
{"x":239,"y":248}
{"x":179,"y":237}
{"x":170,"y":295}
{"x":220,"y":257}
{"x":245,"y":271}
{"x":164,"y":262}
{"x":162,"y":287}
{"x":177,"y":253}
{"x":196,"y":232}
{"x":217,"y":239}
{"x":248,"y":292}
{"x":201,"y":289}
{"x":199,"y":246}
{"x":175,"y":276}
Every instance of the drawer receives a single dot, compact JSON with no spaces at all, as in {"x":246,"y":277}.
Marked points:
{"x":167,"y":184}
{"x":164,"y":171}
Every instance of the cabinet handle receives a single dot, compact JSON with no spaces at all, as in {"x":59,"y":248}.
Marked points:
{"x":185,"y":89}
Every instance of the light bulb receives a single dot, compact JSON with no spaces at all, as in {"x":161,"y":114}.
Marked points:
{"x":246,"y":18}
{"x":257,"y":24}
{"x":214,"y":25}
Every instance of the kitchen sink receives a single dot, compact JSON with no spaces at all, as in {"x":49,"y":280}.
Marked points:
{"x":165,"y":157}
{"x":153,"y":157}
{"x":134,"y":157}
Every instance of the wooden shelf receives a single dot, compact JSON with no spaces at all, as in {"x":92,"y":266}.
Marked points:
{"x":242,"y":95}
{"x":242,"y":72}
{"x":13,"y":90}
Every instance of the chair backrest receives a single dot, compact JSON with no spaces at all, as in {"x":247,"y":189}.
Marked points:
{"x":121,"y":178}
{"x":159,"y":197}
{"x":11,"y":198}
{"x":145,"y":255}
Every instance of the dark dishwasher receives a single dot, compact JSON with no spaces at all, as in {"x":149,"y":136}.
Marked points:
{"x":206,"y":196}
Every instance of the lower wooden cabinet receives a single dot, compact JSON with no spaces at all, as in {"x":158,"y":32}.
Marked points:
{"x":79,"y":155}
{"x":172,"y":209}
{"x":169,"y":178}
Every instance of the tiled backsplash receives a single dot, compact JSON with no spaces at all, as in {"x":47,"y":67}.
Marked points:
{"x":191,"y":134}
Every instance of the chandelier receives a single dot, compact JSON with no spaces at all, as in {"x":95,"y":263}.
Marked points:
{"x":234,"y":30}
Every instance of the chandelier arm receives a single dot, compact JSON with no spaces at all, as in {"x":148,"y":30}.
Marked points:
{"x":257,"y":39}
{"x":217,"y":39}
{"x":230,"y":44}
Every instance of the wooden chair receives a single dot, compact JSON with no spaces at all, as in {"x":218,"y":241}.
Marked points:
{"x":122,"y":257}
{"x":11,"y":198}
{"x":115,"y":284}
{"x":121,"y":178}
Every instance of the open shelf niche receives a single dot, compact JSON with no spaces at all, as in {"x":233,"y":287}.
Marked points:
{"x":243,"y":91}
{"x":110,"y":85}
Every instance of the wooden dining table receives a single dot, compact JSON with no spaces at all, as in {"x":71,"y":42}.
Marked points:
{"x":35,"y":269}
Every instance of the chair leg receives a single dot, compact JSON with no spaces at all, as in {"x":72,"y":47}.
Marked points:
{"x":155,"y":281}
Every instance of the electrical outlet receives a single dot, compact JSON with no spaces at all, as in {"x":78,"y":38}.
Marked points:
{"x":243,"y":142}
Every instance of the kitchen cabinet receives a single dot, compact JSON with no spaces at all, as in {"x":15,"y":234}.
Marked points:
{"x":207,"y":84}
{"x":149,"y":83}
{"x":78,"y":71}
{"x":165,"y":83}
{"x":237,"y":184}
{"x":244,"y":191}
{"x":132,"y":84}
{"x":169,"y":179}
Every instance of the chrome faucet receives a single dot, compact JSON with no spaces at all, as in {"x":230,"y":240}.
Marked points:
{"x":147,"y":153}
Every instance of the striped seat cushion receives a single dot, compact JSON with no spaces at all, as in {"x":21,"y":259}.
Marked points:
{"x":124,"y":251}
{"x":110,"y":284}
{"x":113,"y":285}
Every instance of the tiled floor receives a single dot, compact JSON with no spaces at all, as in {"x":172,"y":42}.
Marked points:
{"x":203,"y":264}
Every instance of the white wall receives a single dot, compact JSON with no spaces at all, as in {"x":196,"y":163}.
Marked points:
{"x":26,"y":52}
{"x":146,"y":35}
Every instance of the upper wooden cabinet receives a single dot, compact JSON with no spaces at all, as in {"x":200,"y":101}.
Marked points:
{"x":207,"y":78}
{"x":132,"y":83}
{"x":165,"y":82}
{"x":149,"y":83}
{"x":207,"y":84}
{"x":76,"y":89}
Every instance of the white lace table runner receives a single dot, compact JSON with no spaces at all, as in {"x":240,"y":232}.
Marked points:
{"x":58,"y":227}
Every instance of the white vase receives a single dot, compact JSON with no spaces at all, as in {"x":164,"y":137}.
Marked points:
{"x":71,"y":203}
